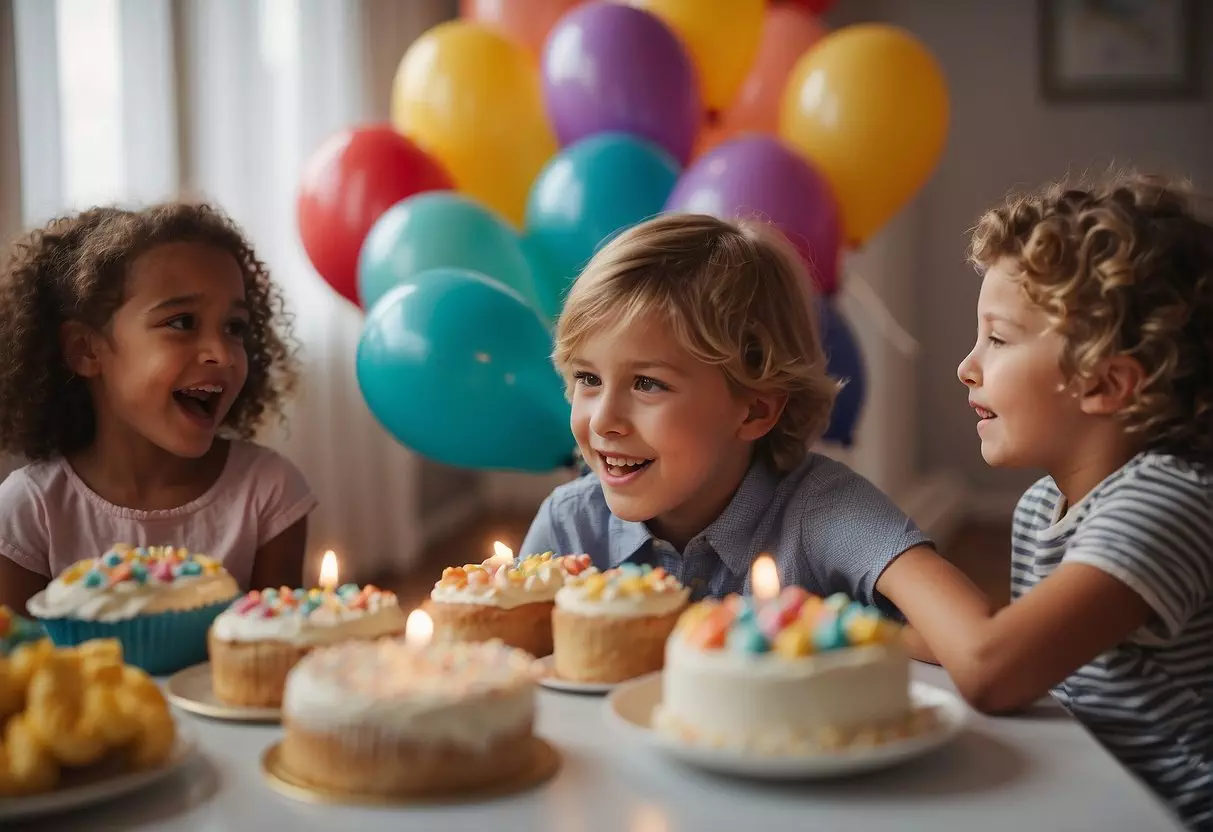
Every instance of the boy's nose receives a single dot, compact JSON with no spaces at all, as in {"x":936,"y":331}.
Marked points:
{"x":967,"y":371}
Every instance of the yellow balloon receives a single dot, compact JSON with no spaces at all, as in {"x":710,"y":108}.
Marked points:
{"x":721,"y":37}
{"x":868,"y":107}
{"x":473,"y":100}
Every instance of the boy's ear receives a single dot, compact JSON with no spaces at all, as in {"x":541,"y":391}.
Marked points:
{"x":79,"y":344}
{"x":764,"y":412}
{"x":1112,"y":387}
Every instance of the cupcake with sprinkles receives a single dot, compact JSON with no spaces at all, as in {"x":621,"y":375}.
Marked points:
{"x":157,"y":601}
{"x":256,"y":641}
{"x":791,"y":675}
{"x":511,"y":602}
{"x":611,"y":626}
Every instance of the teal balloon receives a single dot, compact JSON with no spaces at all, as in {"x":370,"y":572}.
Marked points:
{"x":551,"y":284}
{"x":458,"y":368}
{"x":588,"y":193}
{"x":440,"y":229}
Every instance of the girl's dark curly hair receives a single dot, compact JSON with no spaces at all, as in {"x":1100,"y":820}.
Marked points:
{"x":75,"y":268}
{"x":1124,"y":267}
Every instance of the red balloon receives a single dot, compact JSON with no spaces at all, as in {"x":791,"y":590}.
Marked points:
{"x":814,"y":6}
{"x":348,"y":183}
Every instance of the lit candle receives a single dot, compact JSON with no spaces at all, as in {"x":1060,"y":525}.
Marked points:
{"x":502,"y":555}
{"x":764,"y":578}
{"x":328,"y":570}
{"x":418,"y":629}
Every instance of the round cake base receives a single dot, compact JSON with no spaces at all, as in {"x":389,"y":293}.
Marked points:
{"x":538,"y":763}
{"x":527,"y":626}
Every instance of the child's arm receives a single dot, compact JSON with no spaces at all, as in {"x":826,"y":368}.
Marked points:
{"x":279,"y":562}
{"x":1006,"y":660}
{"x":18,"y":585}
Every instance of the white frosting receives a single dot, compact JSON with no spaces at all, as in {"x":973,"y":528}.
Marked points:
{"x":128,"y":599}
{"x":773,"y":703}
{"x":465,"y":694}
{"x":611,"y":602}
{"x":323,"y":626}
{"x":499,"y":591}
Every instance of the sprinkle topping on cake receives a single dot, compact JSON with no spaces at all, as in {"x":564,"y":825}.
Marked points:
{"x":534,"y":578}
{"x":151,"y":565}
{"x":792,"y":625}
{"x":626,"y":581}
{"x":309,"y":603}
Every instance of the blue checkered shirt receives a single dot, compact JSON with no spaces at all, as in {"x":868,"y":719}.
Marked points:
{"x":829,"y":530}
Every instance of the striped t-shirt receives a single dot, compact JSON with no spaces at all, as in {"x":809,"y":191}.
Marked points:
{"x":1150,"y":699}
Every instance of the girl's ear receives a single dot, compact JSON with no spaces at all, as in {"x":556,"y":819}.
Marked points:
{"x":1113,"y":387}
{"x":79,"y":345}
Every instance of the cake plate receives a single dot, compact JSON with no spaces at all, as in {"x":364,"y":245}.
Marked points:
{"x":632,"y":705}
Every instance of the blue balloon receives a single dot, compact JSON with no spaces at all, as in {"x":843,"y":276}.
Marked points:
{"x":589,"y":192}
{"x":440,"y":229}
{"x":845,"y":363}
{"x":458,"y":368}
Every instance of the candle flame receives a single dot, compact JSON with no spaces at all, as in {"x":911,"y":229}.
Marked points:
{"x":328,"y":570}
{"x":764,"y":578}
{"x":502,"y":555}
{"x":418,"y":629}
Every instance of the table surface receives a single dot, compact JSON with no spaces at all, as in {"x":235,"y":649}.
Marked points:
{"x":1036,"y":771}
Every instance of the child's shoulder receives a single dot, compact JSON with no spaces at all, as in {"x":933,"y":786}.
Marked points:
{"x":578,"y":496}
{"x":1160,"y":481}
{"x":49,"y":476}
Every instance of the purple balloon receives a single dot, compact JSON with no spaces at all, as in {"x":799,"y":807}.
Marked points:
{"x":610,"y":67}
{"x":757,"y":176}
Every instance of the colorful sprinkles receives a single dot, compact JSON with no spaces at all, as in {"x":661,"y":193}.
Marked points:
{"x":791,"y":625}
{"x":627,"y":581}
{"x":493,"y":573}
{"x":140,"y":565}
{"x":273,"y":603}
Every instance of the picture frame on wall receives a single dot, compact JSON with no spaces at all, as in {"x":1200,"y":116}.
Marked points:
{"x":1119,"y":50}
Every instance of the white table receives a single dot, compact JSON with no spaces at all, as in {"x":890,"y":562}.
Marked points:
{"x":1039,"y":772}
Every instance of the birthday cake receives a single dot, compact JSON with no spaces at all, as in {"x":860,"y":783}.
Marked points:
{"x":507,"y":601}
{"x":157,"y":601}
{"x":389,"y":718}
{"x":794,"y":675}
{"x":256,"y":641}
{"x":611,"y":626}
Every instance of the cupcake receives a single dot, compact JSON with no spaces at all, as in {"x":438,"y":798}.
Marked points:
{"x":510,"y":602}
{"x":611,"y":626}
{"x":158,"y":602}
{"x":256,"y":641}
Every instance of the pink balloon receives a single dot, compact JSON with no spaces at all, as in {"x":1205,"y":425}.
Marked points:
{"x":758,"y":177}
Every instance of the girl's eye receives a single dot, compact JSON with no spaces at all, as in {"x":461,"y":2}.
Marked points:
{"x":586,"y":379}
{"x":238,"y":328}
{"x":995,"y":341}
{"x":649,"y":385}
{"x":182,"y":322}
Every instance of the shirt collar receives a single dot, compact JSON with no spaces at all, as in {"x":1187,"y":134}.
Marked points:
{"x":731,"y":535}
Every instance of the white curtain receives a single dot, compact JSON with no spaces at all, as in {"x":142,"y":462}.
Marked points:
{"x":136,"y":100}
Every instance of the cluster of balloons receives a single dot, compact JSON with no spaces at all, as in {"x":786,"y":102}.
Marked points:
{"x":527,"y":133}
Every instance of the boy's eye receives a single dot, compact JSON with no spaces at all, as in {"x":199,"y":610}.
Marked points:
{"x":586,"y":379}
{"x":649,"y":385}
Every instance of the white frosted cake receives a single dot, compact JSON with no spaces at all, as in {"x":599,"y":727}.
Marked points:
{"x":255,"y":642}
{"x":611,"y":626}
{"x":386,"y":717}
{"x":511,"y":602}
{"x":790,"y":676}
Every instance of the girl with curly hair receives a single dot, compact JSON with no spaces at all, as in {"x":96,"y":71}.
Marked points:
{"x":141,"y":352}
{"x":1094,"y":362}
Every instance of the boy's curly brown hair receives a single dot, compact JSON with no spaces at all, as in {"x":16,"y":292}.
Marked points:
{"x":75,"y":268}
{"x":1122,"y":267}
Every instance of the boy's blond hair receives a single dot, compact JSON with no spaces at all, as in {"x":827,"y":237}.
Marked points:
{"x":733,"y":295}
{"x":1122,"y":267}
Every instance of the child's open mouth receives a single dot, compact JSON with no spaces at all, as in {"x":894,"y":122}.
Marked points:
{"x":623,"y":468}
{"x":201,"y":402}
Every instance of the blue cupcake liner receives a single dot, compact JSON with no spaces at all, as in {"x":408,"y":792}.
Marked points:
{"x":160,"y":644}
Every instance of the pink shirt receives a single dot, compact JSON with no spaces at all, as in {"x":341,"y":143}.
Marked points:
{"x":49,"y":518}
